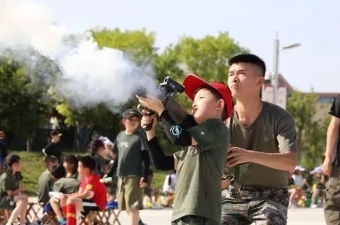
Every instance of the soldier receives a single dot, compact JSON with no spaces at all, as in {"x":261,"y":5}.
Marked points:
{"x":263,"y":149}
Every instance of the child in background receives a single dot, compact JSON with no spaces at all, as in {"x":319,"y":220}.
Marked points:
{"x":62,"y":184}
{"x":71,"y":167}
{"x":45,"y":182}
{"x":131,"y":165}
{"x":97,"y":149}
{"x":90,"y":197}
{"x":13,"y":198}
{"x":54,"y":148}
{"x":108,"y":147}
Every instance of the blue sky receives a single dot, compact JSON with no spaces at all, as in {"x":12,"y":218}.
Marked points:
{"x":253,"y":24}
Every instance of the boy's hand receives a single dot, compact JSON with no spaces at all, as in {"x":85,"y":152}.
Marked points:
{"x":142,"y":182}
{"x":152,"y":103}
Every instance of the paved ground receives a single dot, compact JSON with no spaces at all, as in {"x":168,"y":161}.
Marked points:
{"x":299,"y":216}
{"x":296,"y":217}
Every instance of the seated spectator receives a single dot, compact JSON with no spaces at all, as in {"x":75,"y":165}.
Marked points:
{"x":45,"y":182}
{"x":297,"y":193}
{"x":62,"y":184}
{"x":108,"y":147}
{"x":12,"y":193}
{"x":318,"y":186}
{"x":90,"y":197}
{"x":71,"y":166}
{"x":97,"y":149}
{"x":169,"y":182}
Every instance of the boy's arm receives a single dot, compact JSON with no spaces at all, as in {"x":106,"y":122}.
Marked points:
{"x":210,"y":134}
{"x":83,"y":193}
{"x":146,"y":161}
{"x":113,"y":168}
{"x":159,"y":159}
{"x":177,"y":135}
{"x":47,"y":150}
{"x":145,"y":157}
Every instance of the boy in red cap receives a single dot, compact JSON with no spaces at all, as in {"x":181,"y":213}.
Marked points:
{"x":200,"y":166}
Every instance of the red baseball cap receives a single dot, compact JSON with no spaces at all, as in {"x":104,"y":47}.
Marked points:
{"x":192,"y":83}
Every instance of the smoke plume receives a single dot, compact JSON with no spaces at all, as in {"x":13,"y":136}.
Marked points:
{"x":89,"y":75}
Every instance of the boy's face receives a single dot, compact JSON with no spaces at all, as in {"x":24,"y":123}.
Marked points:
{"x":16,"y":166}
{"x":101,"y":150}
{"x":206,"y":106}
{"x":83,"y":170}
{"x":51,"y":164}
{"x":131,"y":123}
{"x":67,"y":166}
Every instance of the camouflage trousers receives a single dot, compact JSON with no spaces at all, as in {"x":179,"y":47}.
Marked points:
{"x":332,"y":198}
{"x":194,"y":220}
{"x":257,"y":206}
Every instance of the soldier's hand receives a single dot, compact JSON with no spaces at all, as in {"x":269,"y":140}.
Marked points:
{"x":326,"y":166}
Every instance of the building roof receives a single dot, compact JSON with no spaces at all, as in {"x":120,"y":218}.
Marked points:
{"x":286,"y":84}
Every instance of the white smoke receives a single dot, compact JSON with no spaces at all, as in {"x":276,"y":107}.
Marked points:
{"x":90,"y":75}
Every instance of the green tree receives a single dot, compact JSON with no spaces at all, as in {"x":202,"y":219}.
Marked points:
{"x":206,"y":57}
{"x":23,"y":103}
{"x":310,"y":132}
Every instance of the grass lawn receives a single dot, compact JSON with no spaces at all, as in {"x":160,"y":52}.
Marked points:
{"x":33,"y":166}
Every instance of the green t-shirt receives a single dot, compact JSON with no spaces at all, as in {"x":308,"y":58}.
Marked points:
{"x":199,"y":172}
{"x":273,"y":131}
{"x":66,"y":185}
{"x":8,"y":182}
{"x":45,"y":185}
{"x":128,"y":148}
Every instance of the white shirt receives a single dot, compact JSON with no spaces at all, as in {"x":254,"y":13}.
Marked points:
{"x":298,"y":180}
{"x":171,"y":187}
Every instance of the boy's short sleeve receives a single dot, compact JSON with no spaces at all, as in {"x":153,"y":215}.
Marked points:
{"x":7,"y":183}
{"x":210,"y":134}
{"x":91,"y":183}
{"x":177,"y":154}
{"x":57,"y":187}
{"x":335,"y":108}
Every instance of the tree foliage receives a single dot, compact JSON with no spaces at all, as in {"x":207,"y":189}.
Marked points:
{"x":311,"y":133}
{"x":24,"y":106}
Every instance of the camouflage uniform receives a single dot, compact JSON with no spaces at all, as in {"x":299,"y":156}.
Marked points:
{"x":332,"y":198}
{"x":259,"y":206}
